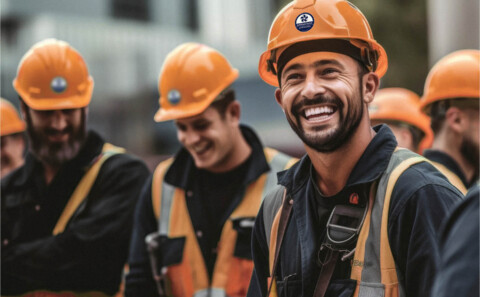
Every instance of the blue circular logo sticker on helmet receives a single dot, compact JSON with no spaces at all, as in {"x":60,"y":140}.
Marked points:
{"x":58,"y":84}
{"x":174,"y":97}
{"x":304,"y":22}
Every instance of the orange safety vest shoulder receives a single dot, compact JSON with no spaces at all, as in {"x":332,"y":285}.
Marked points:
{"x":231,"y":275}
{"x":452,"y":177}
{"x":373,"y":266}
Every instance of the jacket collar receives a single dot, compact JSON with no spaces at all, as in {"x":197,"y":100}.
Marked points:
{"x":370,"y":166}
{"x":183,"y":170}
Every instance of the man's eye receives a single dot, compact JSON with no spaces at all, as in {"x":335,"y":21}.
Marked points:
{"x":293,"y":76}
{"x":181,"y":127}
{"x":201,"y":127}
{"x":328,"y":71}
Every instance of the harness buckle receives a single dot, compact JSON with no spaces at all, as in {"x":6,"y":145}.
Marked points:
{"x":343,"y":227}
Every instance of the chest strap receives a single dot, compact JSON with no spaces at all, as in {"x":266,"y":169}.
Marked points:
{"x":84,"y":186}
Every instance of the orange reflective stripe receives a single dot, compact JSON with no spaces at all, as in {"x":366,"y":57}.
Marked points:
{"x":193,"y":263}
{"x":387,"y":263}
{"x":223,"y":272}
{"x":225,"y":249}
{"x":273,"y":238}
{"x":452,"y":177}
{"x":84,"y":186}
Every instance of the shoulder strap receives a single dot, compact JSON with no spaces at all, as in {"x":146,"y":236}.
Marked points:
{"x":84,"y":186}
{"x":282,"y":226}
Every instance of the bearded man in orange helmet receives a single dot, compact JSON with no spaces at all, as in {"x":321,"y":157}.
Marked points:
{"x":67,"y":212}
{"x":357,"y":215}
{"x":451,"y":99}
{"x":12,"y":138}
{"x":399,"y":108}
{"x":194,"y":219}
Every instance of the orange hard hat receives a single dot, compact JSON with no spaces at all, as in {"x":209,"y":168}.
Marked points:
{"x":456,"y":75}
{"x":10,"y":122}
{"x":311,"y":20}
{"x":192,"y":76}
{"x":53,"y":75}
{"x":401,"y":105}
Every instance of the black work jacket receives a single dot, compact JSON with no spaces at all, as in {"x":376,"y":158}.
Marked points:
{"x":449,"y":162}
{"x":459,"y":272}
{"x":420,"y":201}
{"x":181,"y":174}
{"x":91,"y":252}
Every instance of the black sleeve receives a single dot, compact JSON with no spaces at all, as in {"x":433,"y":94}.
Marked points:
{"x":459,"y":241}
{"x":260,"y":254}
{"x":91,"y":252}
{"x":416,"y":213}
{"x":139,"y":281}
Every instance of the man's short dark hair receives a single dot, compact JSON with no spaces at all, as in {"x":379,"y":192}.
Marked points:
{"x":223,"y":101}
{"x":439,"y":109}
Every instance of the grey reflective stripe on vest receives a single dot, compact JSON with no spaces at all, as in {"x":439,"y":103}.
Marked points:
{"x":210,"y":292}
{"x":271,"y":205}
{"x":371,"y":273}
{"x":278,"y":163}
{"x":167,"y":198}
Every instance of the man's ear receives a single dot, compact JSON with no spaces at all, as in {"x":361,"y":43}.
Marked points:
{"x":234,"y":110}
{"x":23,"y":110}
{"x":278,"y":96}
{"x":456,"y":120}
{"x":370,"y":82}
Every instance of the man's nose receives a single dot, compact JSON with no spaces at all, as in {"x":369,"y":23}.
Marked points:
{"x":313,"y":87}
{"x":191,"y":137}
{"x":59,"y":120}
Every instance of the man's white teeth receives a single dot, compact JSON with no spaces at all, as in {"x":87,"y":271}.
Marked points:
{"x":200,"y":147}
{"x":318,"y":110}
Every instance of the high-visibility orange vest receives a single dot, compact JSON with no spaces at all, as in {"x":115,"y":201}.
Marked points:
{"x":231,"y":275}
{"x":373,"y":266}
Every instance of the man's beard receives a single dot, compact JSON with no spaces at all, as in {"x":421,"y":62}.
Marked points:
{"x":53,"y":153}
{"x":348,"y":123}
{"x":470,"y":152}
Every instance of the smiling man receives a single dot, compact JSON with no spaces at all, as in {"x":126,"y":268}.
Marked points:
{"x":194,"y":221}
{"x":356,"y":216}
{"x":67,"y":212}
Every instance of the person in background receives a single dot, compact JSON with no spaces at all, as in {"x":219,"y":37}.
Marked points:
{"x":194,"y":220}
{"x":458,"y":273}
{"x":399,"y":108}
{"x":357,"y":215}
{"x":12,"y":138}
{"x":67,"y":213}
{"x":451,"y":99}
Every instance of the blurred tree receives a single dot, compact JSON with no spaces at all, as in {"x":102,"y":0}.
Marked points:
{"x":400,"y":26}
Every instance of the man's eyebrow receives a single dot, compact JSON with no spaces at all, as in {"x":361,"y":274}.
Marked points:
{"x":326,"y":62}
{"x":316,"y":64}
{"x":293,"y":67}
